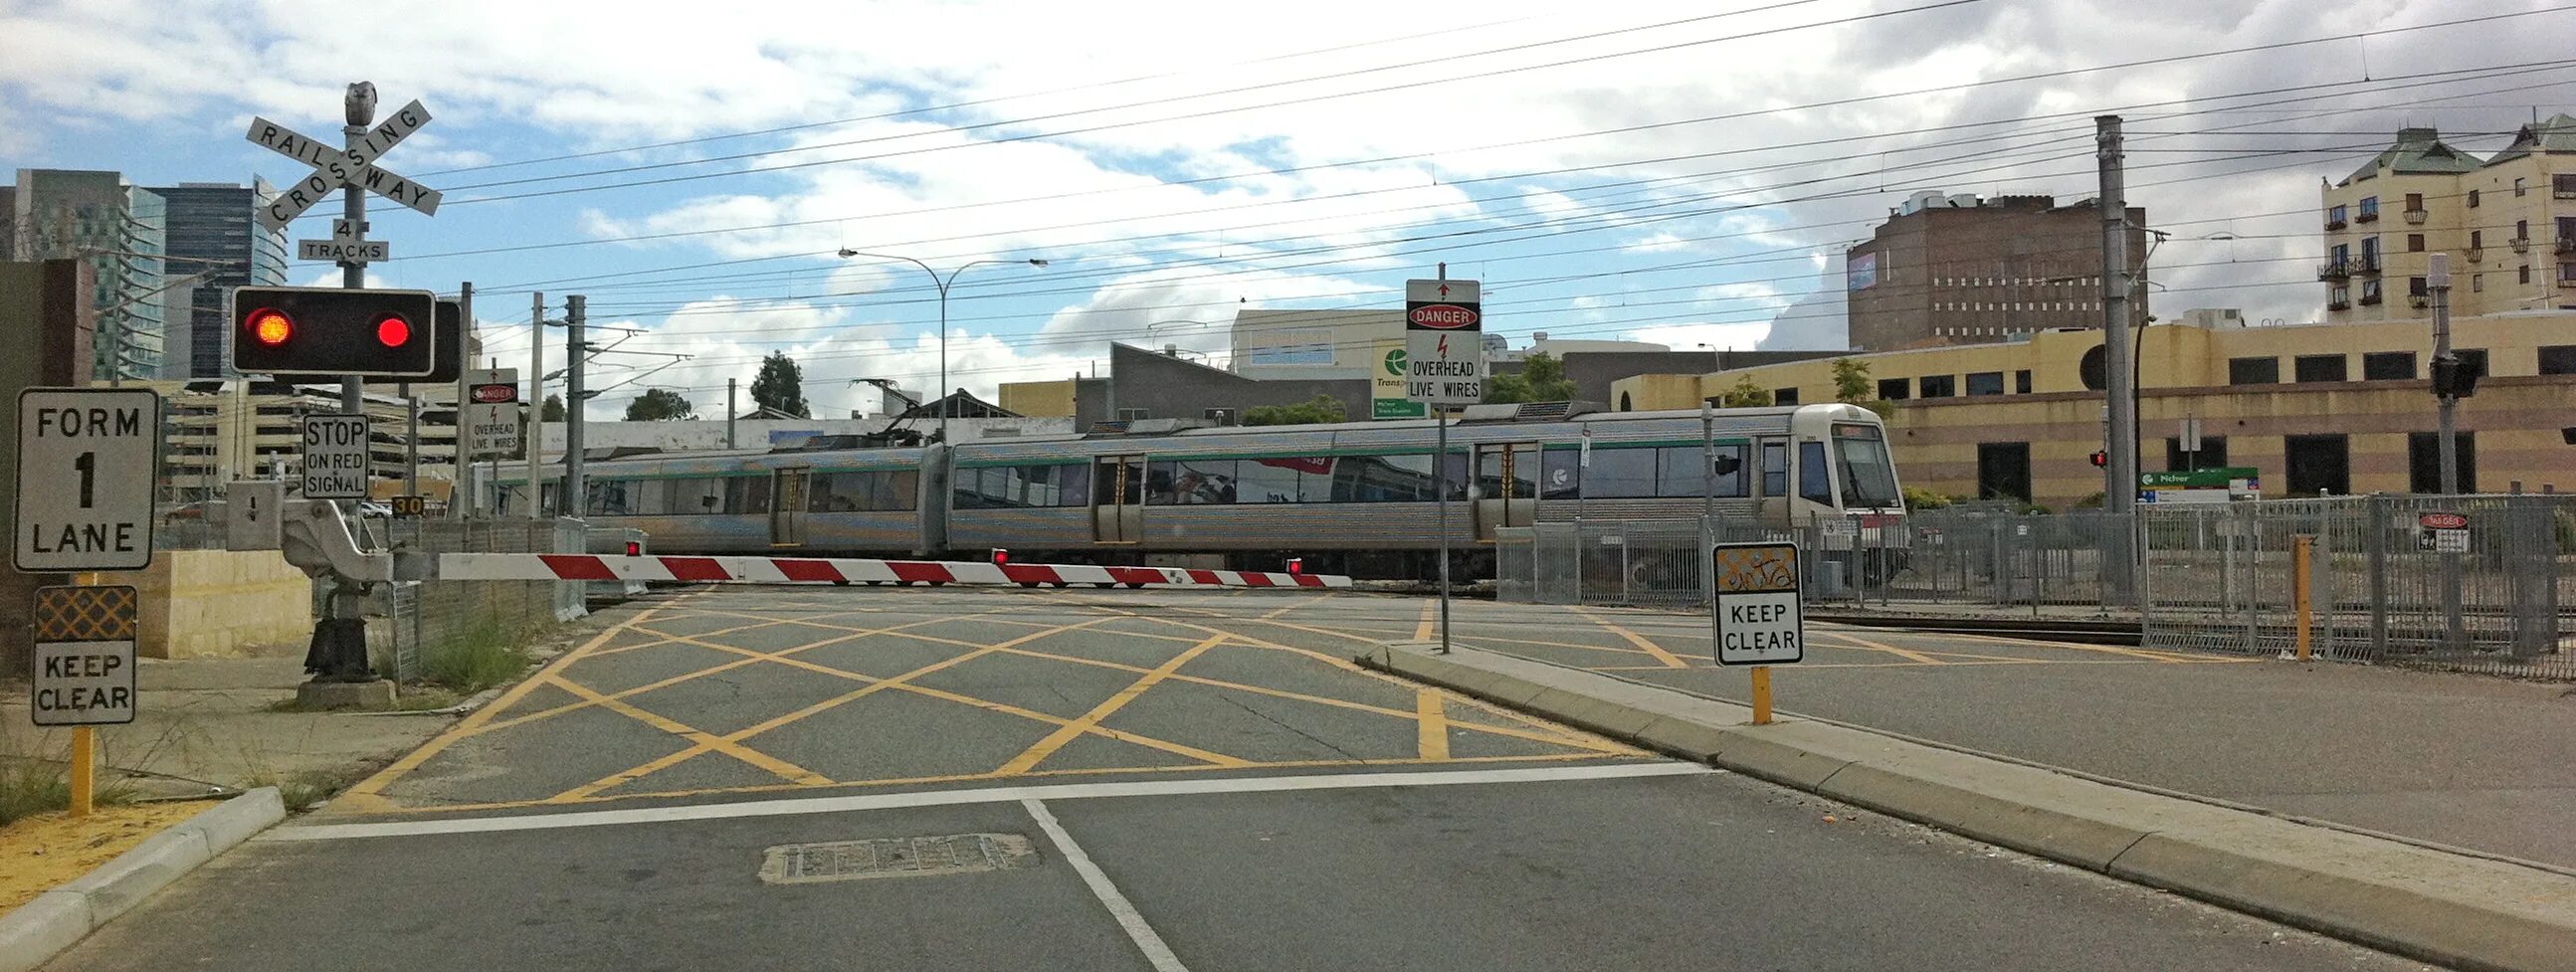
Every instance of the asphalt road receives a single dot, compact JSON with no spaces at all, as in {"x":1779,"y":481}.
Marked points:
{"x":1121,"y":780}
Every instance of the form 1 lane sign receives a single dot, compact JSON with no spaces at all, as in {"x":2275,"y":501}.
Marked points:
{"x":1759,"y":618}
{"x":89,"y":460}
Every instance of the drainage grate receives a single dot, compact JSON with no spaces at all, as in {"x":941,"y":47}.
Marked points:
{"x":851,"y":860}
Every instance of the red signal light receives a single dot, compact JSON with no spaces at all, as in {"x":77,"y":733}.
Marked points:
{"x":2101,"y":459}
{"x":1001,"y":557}
{"x":392,"y":331}
{"x":634,"y":548}
{"x":1296,"y":565}
{"x":270,"y":326}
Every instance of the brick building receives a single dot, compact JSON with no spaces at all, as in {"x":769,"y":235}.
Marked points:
{"x":1960,"y":269}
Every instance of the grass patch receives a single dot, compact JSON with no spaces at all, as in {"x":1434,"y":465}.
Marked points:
{"x":300,"y":791}
{"x":476,"y":659}
{"x":29,"y":786}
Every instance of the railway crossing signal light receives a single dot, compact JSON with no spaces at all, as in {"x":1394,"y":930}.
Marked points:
{"x":1001,"y":557}
{"x":316,"y":331}
{"x":2101,"y":459}
{"x":1296,"y":565}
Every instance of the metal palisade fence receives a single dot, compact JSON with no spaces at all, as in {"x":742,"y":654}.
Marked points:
{"x":2481,"y":583}
{"x":2484,"y":583}
{"x":426,"y":617}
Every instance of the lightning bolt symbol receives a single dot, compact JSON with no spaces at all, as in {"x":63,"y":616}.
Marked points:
{"x":1444,"y":345}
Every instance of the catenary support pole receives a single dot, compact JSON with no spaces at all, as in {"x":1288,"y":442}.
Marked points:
{"x":2120,"y":474}
{"x":463,"y":496}
{"x":576,"y":493}
{"x":532,"y":437}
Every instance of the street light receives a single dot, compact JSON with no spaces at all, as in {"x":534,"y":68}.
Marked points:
{"x":943,"y":285}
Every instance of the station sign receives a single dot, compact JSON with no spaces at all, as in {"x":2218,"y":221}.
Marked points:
{"x":84,"y":673}
{"x":2201,"y":485}
{"x":1386,"y":386}
{"x":1444,"y":342}
{"x":1760,"y":620}
{"x":492,"y":411}
{"x":335,"y":457}
{"x":89,"y":462}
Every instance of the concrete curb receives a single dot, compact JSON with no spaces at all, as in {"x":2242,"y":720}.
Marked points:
{"x":2458,"y":910}
{"x":35,"y":932}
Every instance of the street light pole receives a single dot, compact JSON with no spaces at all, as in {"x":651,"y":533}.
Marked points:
{"x":943,"y":285}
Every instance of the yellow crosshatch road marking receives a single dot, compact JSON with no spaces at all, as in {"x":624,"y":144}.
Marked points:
{"x":1431,"y":717}
{"x":1425,"y":630}
{"x":1908,"y":654}
{"x":1669,"y":659}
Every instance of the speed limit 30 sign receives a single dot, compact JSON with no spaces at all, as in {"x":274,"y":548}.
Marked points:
{"x":89,"y":460}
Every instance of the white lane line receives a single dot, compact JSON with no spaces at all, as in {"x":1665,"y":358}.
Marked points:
{"x":1129,"y":918}
{"x":998,"y":794}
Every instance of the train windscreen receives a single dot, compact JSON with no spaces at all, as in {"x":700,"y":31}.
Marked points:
{"x":1869,"y":479}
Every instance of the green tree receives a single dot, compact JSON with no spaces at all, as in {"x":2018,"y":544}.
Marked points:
{"x":552,"y":410}
{"x":659,"y":405}
{"x":1541,"y":379}
{"x":1316,"y":410}
{"x":780,"y":385}
{"x":1745,"y":394}
{"x":1852,"y":386}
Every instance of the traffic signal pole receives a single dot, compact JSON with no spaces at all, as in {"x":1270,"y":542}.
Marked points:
{"x":338,"y":652}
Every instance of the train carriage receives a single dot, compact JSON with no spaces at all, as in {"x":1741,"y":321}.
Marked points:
{"x":1350,"y":497}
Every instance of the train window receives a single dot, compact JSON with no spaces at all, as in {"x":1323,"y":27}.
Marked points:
{"x":1202,"y":482}
{"x":966,"y":490}
{"x":1678,"y":472}
{"x":1158,"y":483}
{"x":836,"y":492}
{"x":606,"y":497}
{"x":1621,"y":474}
{"x":1869,"y":479}
{"x":1560,"y":474}
{"x":1107,"y":490}
{"x":1072,"y":485}
{"x":896,"y":489}
{"x":693,"y":497}
{"x":748,"y":494}
{"x":1278,"y":480}
{"x":1383,"y":479}
{"x":1815,"y":480}
{"x":1775,"y":469}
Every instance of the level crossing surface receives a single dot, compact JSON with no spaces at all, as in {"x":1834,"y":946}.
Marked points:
{"x":883,"y":778}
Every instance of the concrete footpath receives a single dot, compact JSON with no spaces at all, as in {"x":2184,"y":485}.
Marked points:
{"x":2455,"y":909}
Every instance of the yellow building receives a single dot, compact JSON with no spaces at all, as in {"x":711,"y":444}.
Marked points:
{"x":2508,"y":221}
{"x":1051,"y":399}
{"x":2333,"y":408}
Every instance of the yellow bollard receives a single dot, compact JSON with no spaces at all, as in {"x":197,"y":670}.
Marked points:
{"x":2300,"y":551}
{"x":84,"y":769}
{"x":1761,"y":695}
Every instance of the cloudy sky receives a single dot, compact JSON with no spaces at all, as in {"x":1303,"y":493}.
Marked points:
{"x":1665,"y":171}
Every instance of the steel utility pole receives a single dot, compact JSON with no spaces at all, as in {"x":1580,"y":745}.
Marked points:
{"x":2120,"y":438}
{"x":576,"y":500}
{"x":730,"y":412}
{"x":458,"y":507}
{"x":2438,"y":279}
{"x":534,"y":435}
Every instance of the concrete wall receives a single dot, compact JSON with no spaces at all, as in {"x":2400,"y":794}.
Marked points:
{"x":1170,"y":387}
{"x":44,"y":322}
{"x":219,"y":603}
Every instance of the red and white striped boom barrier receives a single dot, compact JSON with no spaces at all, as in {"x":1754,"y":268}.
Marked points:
{"x":802,"y":570}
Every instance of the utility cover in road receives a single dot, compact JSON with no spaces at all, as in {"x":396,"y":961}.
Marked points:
{"x":1444,"y":347}
{"x":1759,"y":618}
{"x":84,"y":656}
{"x":88,"y":460}
{"x":335,"y":457}
{"x":492,"y":411}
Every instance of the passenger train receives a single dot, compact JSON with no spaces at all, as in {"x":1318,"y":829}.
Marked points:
{"x":1355,"y":498}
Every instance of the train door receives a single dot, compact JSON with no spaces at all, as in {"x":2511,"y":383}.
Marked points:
{"x":1507,"y":487}
{"x":1118,"y":499}
{"x":787,"y":507}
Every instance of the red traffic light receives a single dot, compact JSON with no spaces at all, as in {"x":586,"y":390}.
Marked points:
{"x":2101,"y":459}
{"x":269,"y":326}
{"x":392,"y":331}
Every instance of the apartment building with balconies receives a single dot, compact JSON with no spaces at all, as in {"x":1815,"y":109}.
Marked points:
{"x":2508,"y":221}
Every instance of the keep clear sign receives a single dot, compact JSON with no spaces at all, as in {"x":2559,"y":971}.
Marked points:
{"x":1759,"y":618}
